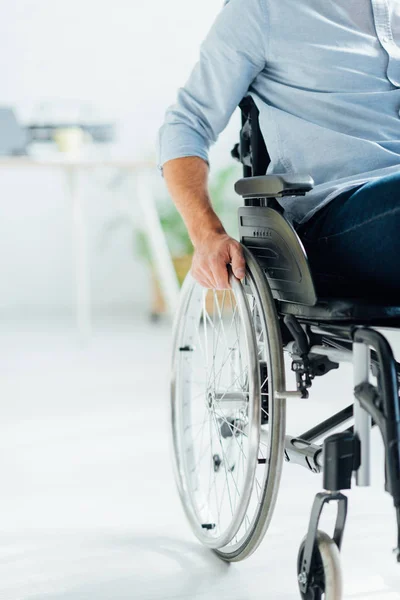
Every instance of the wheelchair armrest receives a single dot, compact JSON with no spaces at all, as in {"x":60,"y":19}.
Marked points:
{"x":272,"y":186}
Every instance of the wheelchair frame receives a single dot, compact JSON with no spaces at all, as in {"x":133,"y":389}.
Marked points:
{"x":320,"y":334}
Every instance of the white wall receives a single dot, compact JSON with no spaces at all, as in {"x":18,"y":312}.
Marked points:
{"x":126,"y":58}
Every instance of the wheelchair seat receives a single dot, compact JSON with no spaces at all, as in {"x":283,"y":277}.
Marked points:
{"x":280,"y":253}
{"x":356,"y":310}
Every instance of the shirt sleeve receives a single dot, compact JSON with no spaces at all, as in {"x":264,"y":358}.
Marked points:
{"x":231,"y":57}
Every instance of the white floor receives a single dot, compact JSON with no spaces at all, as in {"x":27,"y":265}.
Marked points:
{"x":88,"y":508}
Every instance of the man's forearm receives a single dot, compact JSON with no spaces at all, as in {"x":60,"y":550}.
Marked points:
{"x":187,"y":182}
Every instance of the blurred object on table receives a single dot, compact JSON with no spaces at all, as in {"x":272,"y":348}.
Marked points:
{"x":68,"y":126}
{"x":70,"y":139}
{"x":13,"y":138}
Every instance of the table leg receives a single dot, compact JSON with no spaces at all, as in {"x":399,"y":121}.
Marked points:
{"x":83,"y":316}
{"x":159,"y":249}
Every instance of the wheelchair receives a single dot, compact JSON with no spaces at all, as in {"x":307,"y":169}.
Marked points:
{"x":231,"y":350}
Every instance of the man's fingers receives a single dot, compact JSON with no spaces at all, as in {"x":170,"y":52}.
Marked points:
{"x":209,"y":265}
{"x":237,"y":261}
{"x":210,"y":282}
{"x":203,"y":282}
{"x":220,"y":273}
{"x":204,"y":277}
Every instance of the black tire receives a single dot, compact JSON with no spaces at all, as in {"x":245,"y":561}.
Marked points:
{"x":326,"y":577}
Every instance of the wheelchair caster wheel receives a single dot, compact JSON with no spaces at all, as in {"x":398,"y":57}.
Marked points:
{"x":325,"y":579}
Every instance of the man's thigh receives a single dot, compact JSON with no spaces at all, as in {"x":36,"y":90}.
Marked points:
{"x":353,"y":244}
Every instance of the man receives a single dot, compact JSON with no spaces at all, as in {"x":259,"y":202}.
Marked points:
{"x":325,"y":76}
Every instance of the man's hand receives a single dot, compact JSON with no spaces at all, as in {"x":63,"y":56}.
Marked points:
{"x":211,"y":257}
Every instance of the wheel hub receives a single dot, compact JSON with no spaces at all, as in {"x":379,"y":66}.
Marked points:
{"x":210,"y":399}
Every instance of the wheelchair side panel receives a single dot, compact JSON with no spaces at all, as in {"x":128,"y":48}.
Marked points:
{"x":279,"y":252}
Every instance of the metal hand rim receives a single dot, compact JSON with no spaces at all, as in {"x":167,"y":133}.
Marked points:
{"x":254,"y":417}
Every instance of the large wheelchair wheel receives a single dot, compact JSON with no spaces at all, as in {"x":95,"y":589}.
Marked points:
{"x":228,"y":428}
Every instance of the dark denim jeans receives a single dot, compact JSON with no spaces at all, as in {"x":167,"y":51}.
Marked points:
{"x":353,"y":243}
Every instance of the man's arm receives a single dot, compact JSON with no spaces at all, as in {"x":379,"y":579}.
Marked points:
{"x":187,"y":183}
{"x":232,"y":55}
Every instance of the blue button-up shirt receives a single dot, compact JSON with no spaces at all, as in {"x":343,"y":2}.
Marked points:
{"x":325,"y":77}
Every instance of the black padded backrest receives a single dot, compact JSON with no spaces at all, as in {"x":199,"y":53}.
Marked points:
{"x":252,"y":149}
{"x":279,"y":252}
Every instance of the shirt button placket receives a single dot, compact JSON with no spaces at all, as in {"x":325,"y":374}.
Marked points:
{"x":385,"y":36}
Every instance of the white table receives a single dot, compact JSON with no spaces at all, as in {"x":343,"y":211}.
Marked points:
{"x":143,"y":173}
